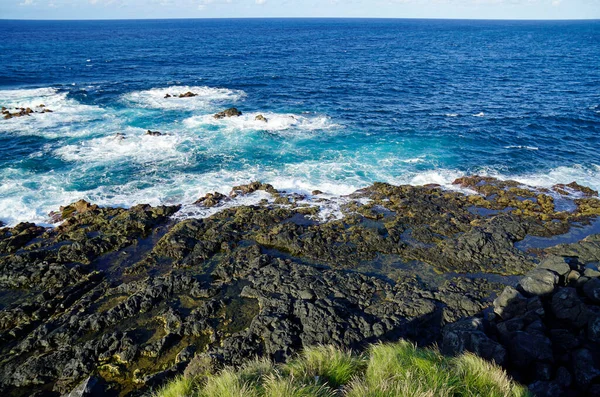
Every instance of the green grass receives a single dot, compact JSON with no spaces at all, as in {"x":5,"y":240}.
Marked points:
{"x":384,"y":370}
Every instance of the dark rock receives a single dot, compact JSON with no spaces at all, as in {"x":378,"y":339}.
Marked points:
{"x":154,"y":133}
{"x":188,"y":94}
{"x":251,"y":188}
{"x":262,"y":118}
{"x":526,"y":349}
{"x":567,"y":306}
{"x":563,"y":377}
{"x":231,"y":112}
{"x":591,"y":289}
{"x":167,"y":95}
{"x":511,"y":303}
{"x":585,"y":367}
{"x":576,"y":187}
{"x":546,"y":389}
{"x":469,"y":335}
{"x":211,"y":199}
{"x":564,"y":340}
{"x":593,"y":329}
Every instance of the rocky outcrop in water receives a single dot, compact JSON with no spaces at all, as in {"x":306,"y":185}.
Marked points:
{"x":231,"y":112}
{"x":20,"y":112}
{"x":125,"y":299}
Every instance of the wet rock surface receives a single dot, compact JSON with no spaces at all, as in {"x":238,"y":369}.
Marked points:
{"x":122,"y":300}
{"x":20,"y":112}
{"x":231,"y":112}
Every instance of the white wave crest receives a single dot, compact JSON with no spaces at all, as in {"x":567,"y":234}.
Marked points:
{"x":133,"y":145}
{"x":521,"y":147}
{"x":66,"y":112}
{"x":275,"y":122}
{"x":30,"y":197}
{"x":206,"y":97}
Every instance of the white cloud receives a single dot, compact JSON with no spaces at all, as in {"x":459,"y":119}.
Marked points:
{"x":261,"y":2}
{"x":27,"y":3}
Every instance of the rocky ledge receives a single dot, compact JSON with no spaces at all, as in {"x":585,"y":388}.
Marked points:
{"x":121,"y":300}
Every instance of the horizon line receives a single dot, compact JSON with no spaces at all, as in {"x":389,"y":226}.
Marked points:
{"x":283,"y":17}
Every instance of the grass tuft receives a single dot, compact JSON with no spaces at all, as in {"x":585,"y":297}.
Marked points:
{"x":386,"y":370}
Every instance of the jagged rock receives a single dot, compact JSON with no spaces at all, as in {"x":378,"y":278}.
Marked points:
{"x":262,"y":118}
{"x":110,"y":287}
{"x":251,"y":188}
{"x":231,"y":112}
{"x":154,"y":133}
{"x":560,"y":188}
{"x":167,"y":96}
{"x":211,"y":199}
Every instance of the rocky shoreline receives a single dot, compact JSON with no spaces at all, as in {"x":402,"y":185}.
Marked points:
{"x":122,"y":300}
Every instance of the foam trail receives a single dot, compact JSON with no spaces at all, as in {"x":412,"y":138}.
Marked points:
{"x":134,"y":145}
{"x":275,"y":122}
{"x":521,"y":147}
{"x":31,"y":197}
{"x":65,"y":114}
{"x":207,"y":97}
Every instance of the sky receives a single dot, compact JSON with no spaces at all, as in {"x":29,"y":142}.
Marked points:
{"x":138,"y":9}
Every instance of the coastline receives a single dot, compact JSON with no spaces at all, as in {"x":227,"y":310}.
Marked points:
{"x":131,"y":296}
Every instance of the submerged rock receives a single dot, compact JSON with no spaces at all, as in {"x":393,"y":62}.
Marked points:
{"x":154,"y":133}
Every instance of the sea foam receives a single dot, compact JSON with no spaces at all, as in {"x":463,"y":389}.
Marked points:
{"x":66,"y":113}
{"x":275,"y":122}
{"x":206,"y":98}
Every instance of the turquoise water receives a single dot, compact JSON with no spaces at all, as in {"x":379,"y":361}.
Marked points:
{"x":348,"y":102}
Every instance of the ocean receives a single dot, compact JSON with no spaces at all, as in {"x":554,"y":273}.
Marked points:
{"x":348,"y":102}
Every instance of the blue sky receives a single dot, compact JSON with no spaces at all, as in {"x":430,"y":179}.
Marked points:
{"x":115,"y":9}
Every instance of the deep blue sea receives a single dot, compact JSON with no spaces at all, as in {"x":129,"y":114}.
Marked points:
{"x":348,"y":102}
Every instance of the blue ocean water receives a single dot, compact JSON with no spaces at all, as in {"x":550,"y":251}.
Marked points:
{"x":348,"y":102}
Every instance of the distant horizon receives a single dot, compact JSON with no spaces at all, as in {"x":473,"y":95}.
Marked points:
{"x":300,"y":17}
{"x":250,"y":9}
